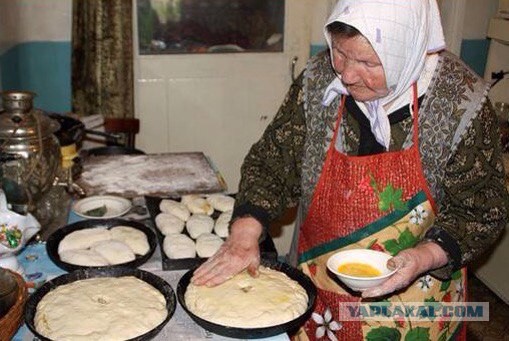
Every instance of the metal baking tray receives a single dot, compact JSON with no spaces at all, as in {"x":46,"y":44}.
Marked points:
{"x":55,"y":238}
{"x":267,"y":247}
{"x":153,"y":280}
{"x":255,"y":333}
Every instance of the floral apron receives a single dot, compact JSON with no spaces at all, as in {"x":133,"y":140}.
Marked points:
{"x":379,"y":202}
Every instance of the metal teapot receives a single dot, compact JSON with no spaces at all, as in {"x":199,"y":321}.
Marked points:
{"x":29,"y":151}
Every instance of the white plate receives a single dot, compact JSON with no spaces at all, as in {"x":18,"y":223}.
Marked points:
{"x":115,"y":206}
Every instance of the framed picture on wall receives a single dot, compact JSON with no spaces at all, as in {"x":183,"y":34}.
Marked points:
{"x":210,"y":26}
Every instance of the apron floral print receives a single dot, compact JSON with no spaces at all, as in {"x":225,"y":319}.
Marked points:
{"x":397,"y":209}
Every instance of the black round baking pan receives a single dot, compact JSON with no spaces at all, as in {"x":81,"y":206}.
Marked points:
{"x":55,"y":238}
{"x":255,"y":333}
{"x":155,"y":281}
{"x":113,"y":150}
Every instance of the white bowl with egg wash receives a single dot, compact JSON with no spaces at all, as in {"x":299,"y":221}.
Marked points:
{"x":360,"y":269}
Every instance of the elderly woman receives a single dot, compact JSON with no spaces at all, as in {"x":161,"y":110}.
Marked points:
{"x":389,"y":143}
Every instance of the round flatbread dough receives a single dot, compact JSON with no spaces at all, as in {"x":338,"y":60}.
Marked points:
{"x":114,"y":251}
{"x":103,"y":308}
{"x":178,"y":246}
{"x":83,"y":257}
{"x":174,"y":207}
{"x":207,"y":244}
{"x":243,"y":301}
{"x":134,"y":238}
{"x":199,"y":206}
{"x":167,"y":223}
{"x":83,"y":239}
{"x":222,"y":224}
{"x":221,"y":202}
{"x":198,"y":224}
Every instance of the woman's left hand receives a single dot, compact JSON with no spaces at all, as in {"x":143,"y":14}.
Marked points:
{"x":410,"y":264}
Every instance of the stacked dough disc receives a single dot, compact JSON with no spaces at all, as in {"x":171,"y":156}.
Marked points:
{"x":99,"y":246}
{"x":189,"y":228}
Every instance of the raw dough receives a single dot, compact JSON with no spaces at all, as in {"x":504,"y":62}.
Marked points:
{"x":134,"y":238}
{"x":83,"y":239}
{"x":246,"y":302}
{"x":199,"y":205}
{"x":207,"y":244}
{"x":198,"y":224}
{"x":222,"y":224}
{"x":167,"y":223}
{"x":174,"y":207}
{"x":188,"y":198}
{"x":83,"y":257}
{"x":114,"y":251}
{"x":100,"y":309}
{"x":221,"y":202}
{"x":177,"y":246}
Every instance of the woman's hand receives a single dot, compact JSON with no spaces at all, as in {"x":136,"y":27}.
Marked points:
{"x":410,"y":264}
{"x":238,"y":252}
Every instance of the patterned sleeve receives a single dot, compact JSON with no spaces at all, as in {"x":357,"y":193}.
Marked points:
{"x":476,"y":202}
{"x":270,"y":174}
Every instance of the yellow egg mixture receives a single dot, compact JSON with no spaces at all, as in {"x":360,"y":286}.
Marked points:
{"x":359,"y":270}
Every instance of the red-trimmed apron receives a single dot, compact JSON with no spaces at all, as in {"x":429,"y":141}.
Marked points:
{"x":379,"y":202}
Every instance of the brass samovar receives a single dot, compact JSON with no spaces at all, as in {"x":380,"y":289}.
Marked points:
{"x":29,"y":151}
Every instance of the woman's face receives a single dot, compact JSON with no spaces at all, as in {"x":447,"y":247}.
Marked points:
{"x":360,"y":68}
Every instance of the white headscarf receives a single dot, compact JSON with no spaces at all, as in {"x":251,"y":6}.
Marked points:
{"x":401,"y":32}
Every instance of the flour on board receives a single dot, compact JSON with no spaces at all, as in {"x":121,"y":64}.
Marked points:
{"x":153,"y":174}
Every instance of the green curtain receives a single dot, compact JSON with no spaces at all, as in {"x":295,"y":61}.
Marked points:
{"x":102,"y":58}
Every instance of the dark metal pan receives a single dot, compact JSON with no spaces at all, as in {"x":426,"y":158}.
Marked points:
{"x":255,"y":333}
{"x":113,"y":150}
{"x":267,"y":247}
{"x":71,"y":129}
{"x":57,"y":236}
{"x":155,"y":281}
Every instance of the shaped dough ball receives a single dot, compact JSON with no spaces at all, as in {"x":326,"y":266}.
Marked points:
{"x":207,"y":244}
{"x":222,"y":224}
{"x":167,"y":223}
{"x":221,"y":202}
{"x":83,"y":239}
{"x":198,"y":224}
{"x":114,"y":251}
{"x":199,"y":206}
{"x":134,"y":238}
{"x":185,"y":199}
{"x":84,"y":257}
{"x":176,"y":208}
{"x":178,"y":246}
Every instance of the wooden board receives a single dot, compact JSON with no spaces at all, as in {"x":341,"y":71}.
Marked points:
{"x":166,"y":174}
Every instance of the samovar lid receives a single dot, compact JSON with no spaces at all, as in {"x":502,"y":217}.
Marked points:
{"x":18,"y":119}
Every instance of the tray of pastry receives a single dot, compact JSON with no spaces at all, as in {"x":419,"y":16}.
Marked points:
{"x":191,"y":228}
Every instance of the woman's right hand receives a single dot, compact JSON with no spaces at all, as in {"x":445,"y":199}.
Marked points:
{"x":238,"y":252}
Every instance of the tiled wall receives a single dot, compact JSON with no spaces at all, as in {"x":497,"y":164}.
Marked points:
{"x":35,"y":50}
